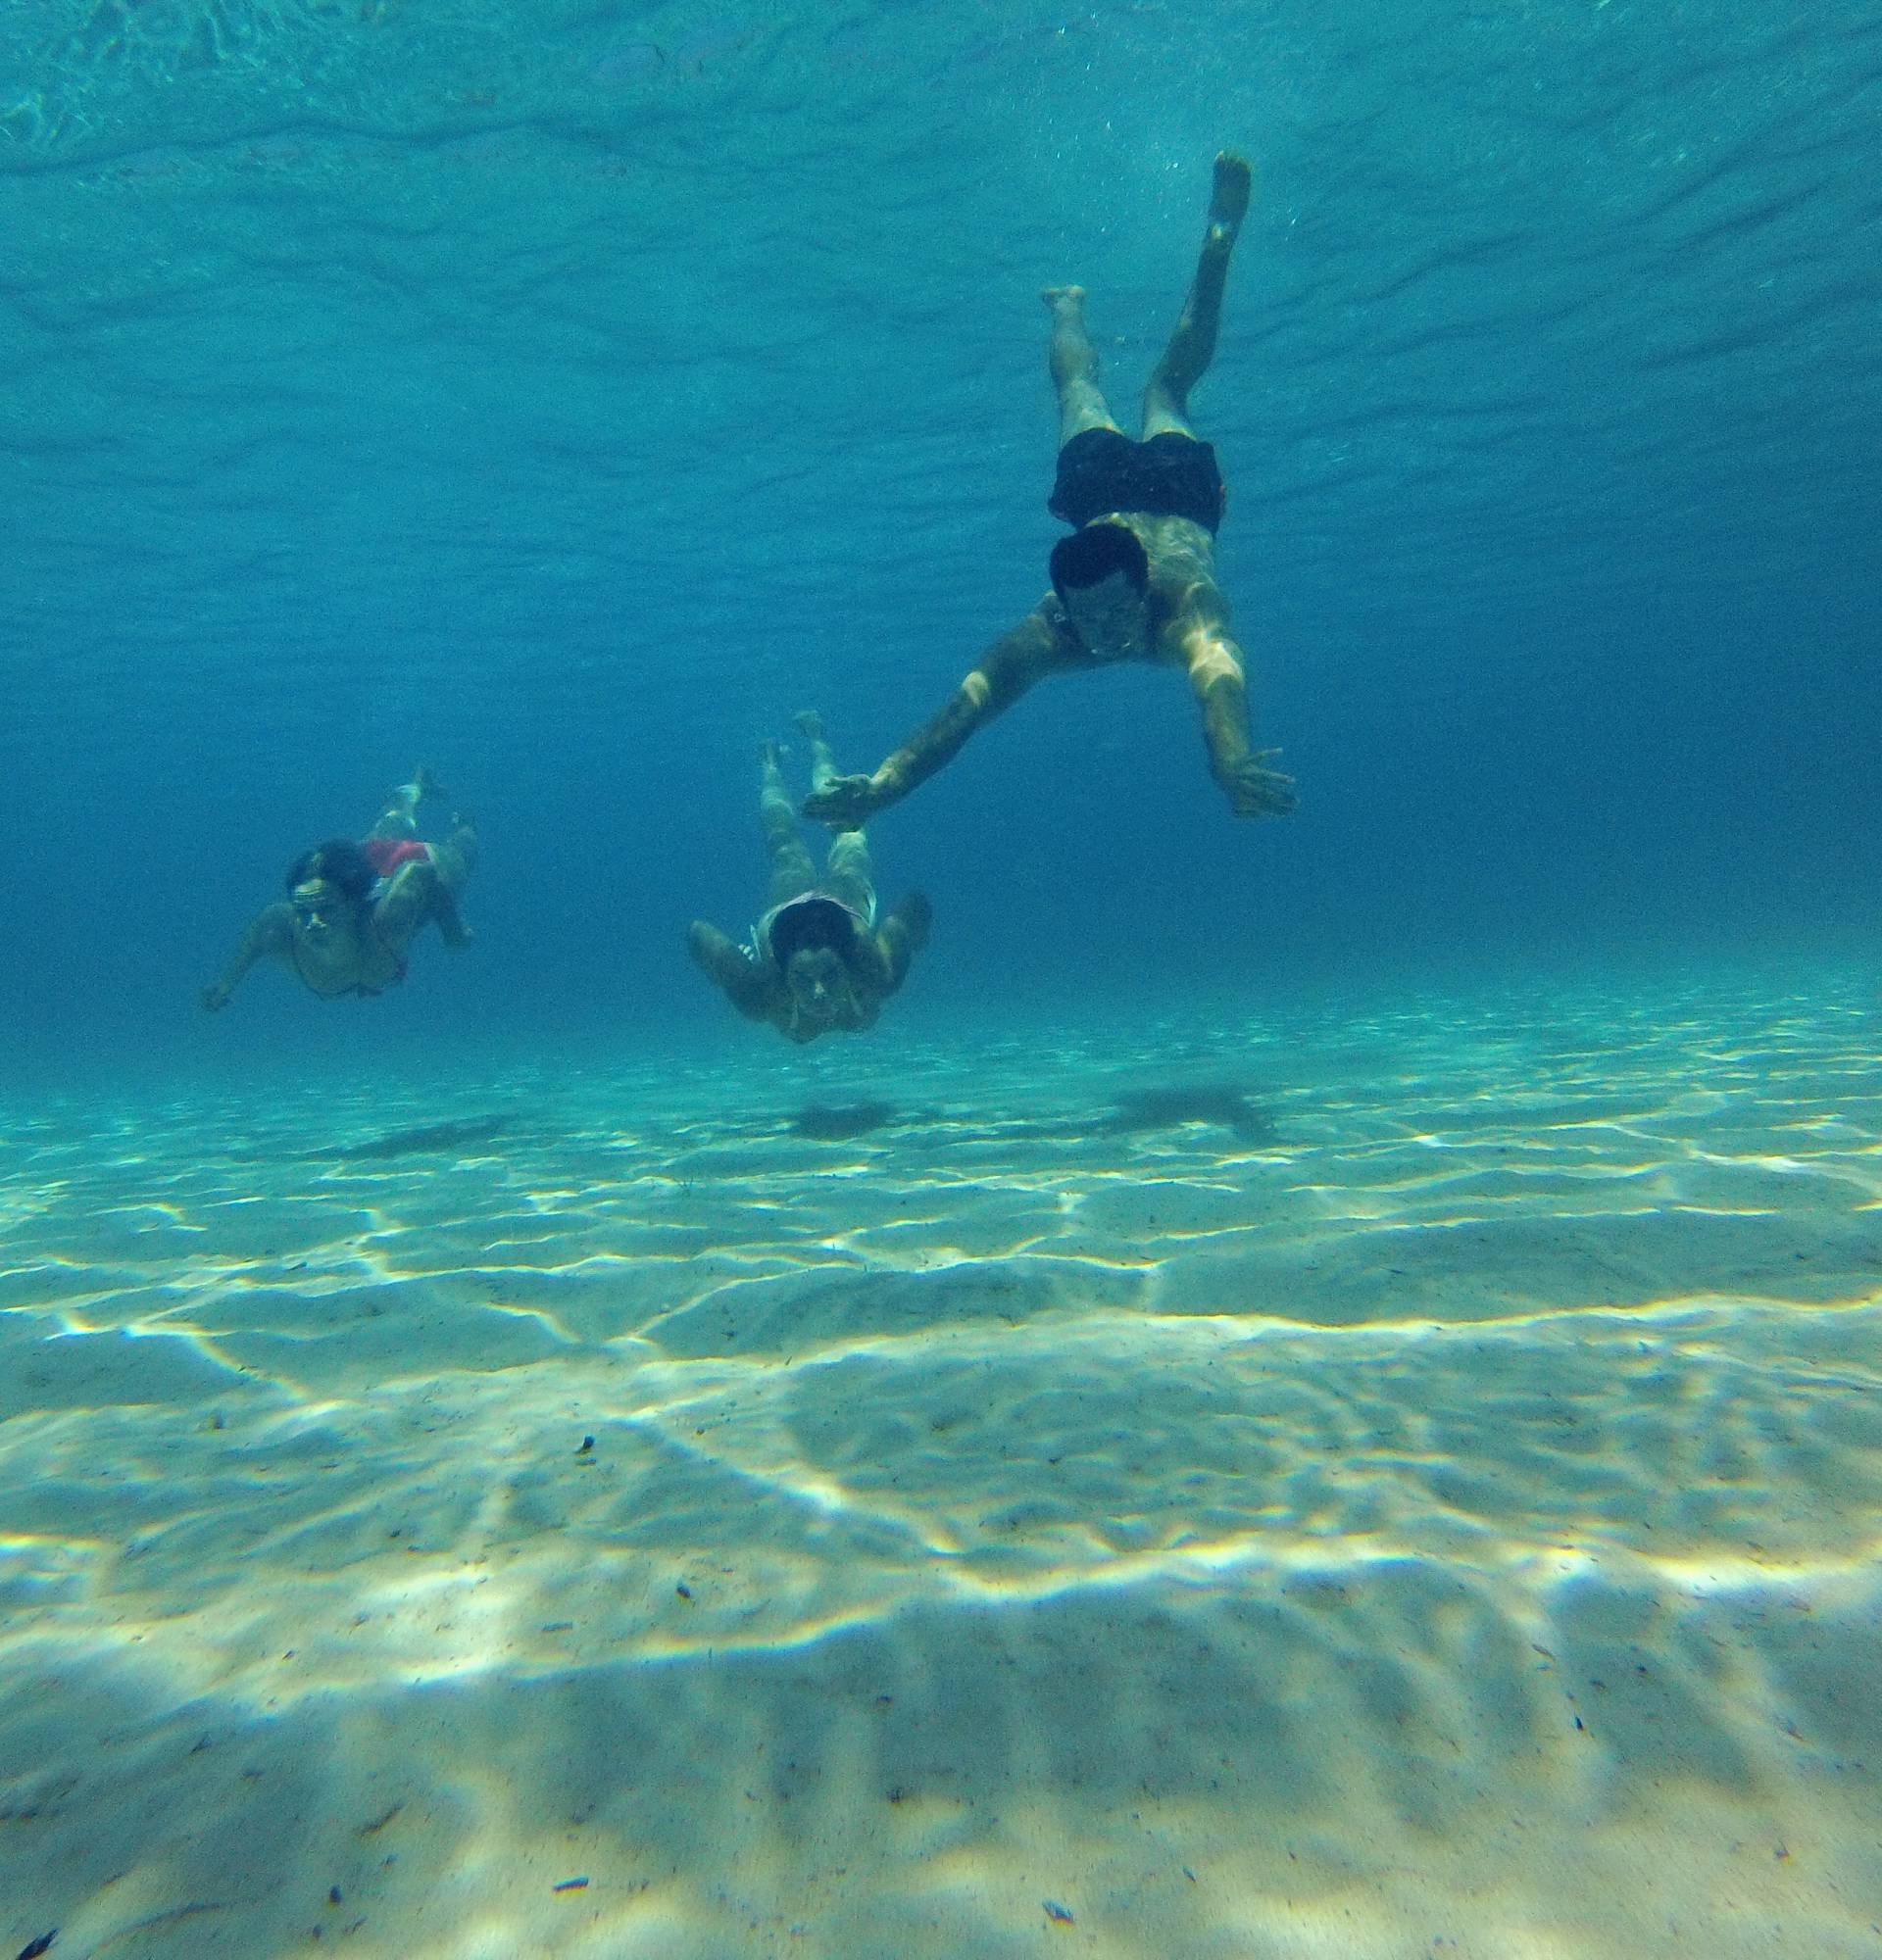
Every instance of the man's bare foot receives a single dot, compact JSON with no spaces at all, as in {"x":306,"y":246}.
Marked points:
{"x":770,"y":754}
{"x":809,"y":724}
{"x":1065,"y":300}
{"x":1228,"y":202}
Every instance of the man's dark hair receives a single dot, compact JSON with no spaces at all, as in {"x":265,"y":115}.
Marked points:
{"x":809,"y":923}
{"x":340,"y":861}
{"x":1095,"y":553}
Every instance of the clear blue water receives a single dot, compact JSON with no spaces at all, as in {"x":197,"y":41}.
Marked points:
{"x":562,"y":395}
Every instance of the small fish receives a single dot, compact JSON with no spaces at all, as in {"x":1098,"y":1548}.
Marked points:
{"x":43,"y":1944}
{"x":571,"y":1886}
{"x":1057,"y":1913}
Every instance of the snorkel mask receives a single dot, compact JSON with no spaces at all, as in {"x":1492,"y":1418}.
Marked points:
{"x":316,"y":902}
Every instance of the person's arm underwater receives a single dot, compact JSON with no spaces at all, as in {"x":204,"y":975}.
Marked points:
{"x":738,"y":976}
{"x":1214,"y":663}
{"x":891,"y":947}
{"x":271,"y":934}
{"x":1016,"y":660}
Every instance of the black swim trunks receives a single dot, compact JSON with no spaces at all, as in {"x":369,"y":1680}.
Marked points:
{"x":1171,"y":476}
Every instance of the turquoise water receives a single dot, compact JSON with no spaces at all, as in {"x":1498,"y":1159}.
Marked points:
{"x":562,"y":396}
{"x":1169,"y":1426}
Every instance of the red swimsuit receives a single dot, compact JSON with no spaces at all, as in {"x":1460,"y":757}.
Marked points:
{"x":386,"y":854}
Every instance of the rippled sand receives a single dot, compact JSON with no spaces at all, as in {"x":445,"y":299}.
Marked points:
{"x":1395,"y":1487}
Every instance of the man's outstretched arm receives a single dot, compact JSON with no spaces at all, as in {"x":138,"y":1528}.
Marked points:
{"x":1213,"y":662}
{"x":1031,"y":651}
{"x":270,"y":933}
{"x":737,"y":975}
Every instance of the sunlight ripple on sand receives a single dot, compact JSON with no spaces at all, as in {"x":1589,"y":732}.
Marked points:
{"x":1417,"y":1479}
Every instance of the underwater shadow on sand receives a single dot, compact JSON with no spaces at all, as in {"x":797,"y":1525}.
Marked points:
{"x":1221,"y":1105}
{"x":425,"y":1138}
{"x":1131,"y":1113}
{"x":839,"y":1123}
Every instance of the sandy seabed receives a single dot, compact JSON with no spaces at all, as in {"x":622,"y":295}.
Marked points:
{"x":1385,"y":1486}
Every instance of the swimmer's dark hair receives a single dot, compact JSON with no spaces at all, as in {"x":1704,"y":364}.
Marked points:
{"x":340,"y":861}
{"x":1095,"y":553}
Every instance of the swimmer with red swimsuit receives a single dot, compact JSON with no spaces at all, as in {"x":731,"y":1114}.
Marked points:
{"x":353,"y":909}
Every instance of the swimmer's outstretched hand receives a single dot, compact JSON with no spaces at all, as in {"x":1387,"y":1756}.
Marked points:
{"x":1255,"y":790}
{"x":1228,"y":198}
{"x":845,"y":803}
{"x":215,"y":998}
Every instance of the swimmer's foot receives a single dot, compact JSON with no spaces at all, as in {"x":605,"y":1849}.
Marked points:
{"x":1065,"y":301}
{"x":406,"y":798}
{"x":809,"y":724}
{"x":770,"y":756}
{"x":1228,"y":202}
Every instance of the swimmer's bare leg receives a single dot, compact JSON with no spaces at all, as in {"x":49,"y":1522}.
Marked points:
{"x":396,"y":821}
{"x":792,"y":873}
{"x":848,"y":875}
{"x":1192,"y":346}
{"x":810,"y":725}
{"x":453,"y":860}
{"x":408,"y":900}
{"x":456,"y":857}
{"x":1075,"y":366}
{"x":428,"y":890}
{"x":399,"y":818}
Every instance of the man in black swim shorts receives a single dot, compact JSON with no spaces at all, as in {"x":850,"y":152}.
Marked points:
{"x":817,"y":961}
{"x":1136,"y":578}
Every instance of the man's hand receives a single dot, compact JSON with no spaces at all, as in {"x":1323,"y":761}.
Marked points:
{"x":216,"y":998}
{"x":844,"y":804}
{"x":1255,"y":790}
